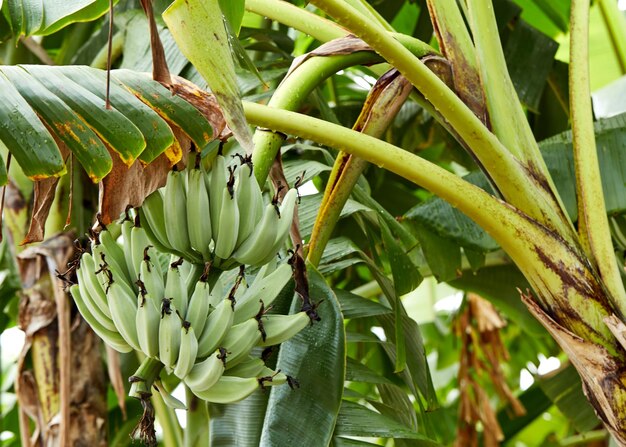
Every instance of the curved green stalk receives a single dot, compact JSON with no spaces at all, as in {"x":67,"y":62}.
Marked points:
{"x":297,"y":18}
{"x":172,"y":433}
{"x":514,"y":180}
{"x":549,"y":263}
{"x":593,"y":224}
{"x":616,"y":28}
{"x":295,"y":89}
{"x":197,"y":428}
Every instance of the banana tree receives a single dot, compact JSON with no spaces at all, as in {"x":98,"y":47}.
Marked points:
{"x":574,"y":286}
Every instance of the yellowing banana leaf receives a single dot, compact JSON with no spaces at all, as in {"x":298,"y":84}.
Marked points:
{"x":25,"y":136}
{"x":156,"y":132}
{"x":170,"y":107}
{"x":316,"y":358}
{"x":64,"y":123}
{"x":197,"y":26}
{"x":110,"y":125}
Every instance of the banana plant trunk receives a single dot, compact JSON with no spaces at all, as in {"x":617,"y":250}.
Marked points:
{"x":64,"y":391}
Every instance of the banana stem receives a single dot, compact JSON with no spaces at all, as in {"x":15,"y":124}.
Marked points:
{"x":515,"y":181}
{"x":297,"y":18}
{"x":548,"y":261}
{"x":172,"y":433}
{"x":144,"y":377}
{"x":593,"y":224}
{"x":197,"y":428}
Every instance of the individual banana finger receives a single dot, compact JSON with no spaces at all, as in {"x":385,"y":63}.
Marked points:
{"x":240,"y":340}
{"x":198,"y":310}
{"x":198,"y":213}
{"x":176,"y":289}
{"x":174,"y":207}
{"x":226,"y":241}
{"x":265,"y":290}
{"x":229,"y":389}
{"x":123,"y":306}
{"x":112,"y":338}
{"x":115,"y":256}
{"x":188,"y":351}
{"x":169,"y":334}
{"x":127,"y":229}
{"x":276,"y":329}
{"x":217,"y":326}
{"x":152,"y":218}
{"x":249,"y":201}
{"x":250,"y":367}
{"x":257,"y":246}
{"x":206,"y":373}
{"x":169,"y":400}
{"x":217,"y":183}
{"x":148,"y":320}
{"x":87,"y":278}
{"x":150,"y":274}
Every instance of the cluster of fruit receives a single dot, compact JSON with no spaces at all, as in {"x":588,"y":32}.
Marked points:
{"x":160,"y":294}
{"x":217,"y":216}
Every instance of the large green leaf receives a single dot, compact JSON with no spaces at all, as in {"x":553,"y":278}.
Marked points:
{"x":64,"y":123}
{"x":25,"y":136}
{"x":565,"y":390}
{"x":316,"y":357}
{"x":357,"y":420}
{"x":197,"y":26}
{"x":28,"y":17}
{"x":110,"y":125}
{"x":170,"y":107}
{"x":238,"y":424}
{"x":155,"y":131}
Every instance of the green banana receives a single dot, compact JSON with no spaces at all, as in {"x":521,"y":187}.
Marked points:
{"x":240,"y":340}
{"x":169,"y":334}
{"x":90,"y":302}
{"x":127,"y":229}
{"x":198,"y":213}
{"x":123,"y":306}
{"x":188,"y":351}
{"x":87,"y":278}
{"x":147,"y":321}
{"x":265,"y":289}
{"x":286,"y":211}
{"x":228,"y":225}
{"x":115,"y":256}
{"x":229,"y":389}
{"x":169,"y":400}
{"x":105,"y":262}
{"x":151,"y":275}
{"x":112,"y":338}
{"x":176,"y":289}
{"x":257,"y":246}
{"x":279,"y":328}
{"x":152,"y":218}
{"x":205,"y":374}
{"x":249,"y":201}
{"x":217,"y":183}
{"x":250,"y":367}
{"x":198,"y":310}
{"x":174,"y":208}
{"x":217,"y":326}
{"x":139,"y":241}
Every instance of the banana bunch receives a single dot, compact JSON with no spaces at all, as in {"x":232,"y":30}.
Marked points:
{"x":201,"y":326}
{"x":217,"y":216}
